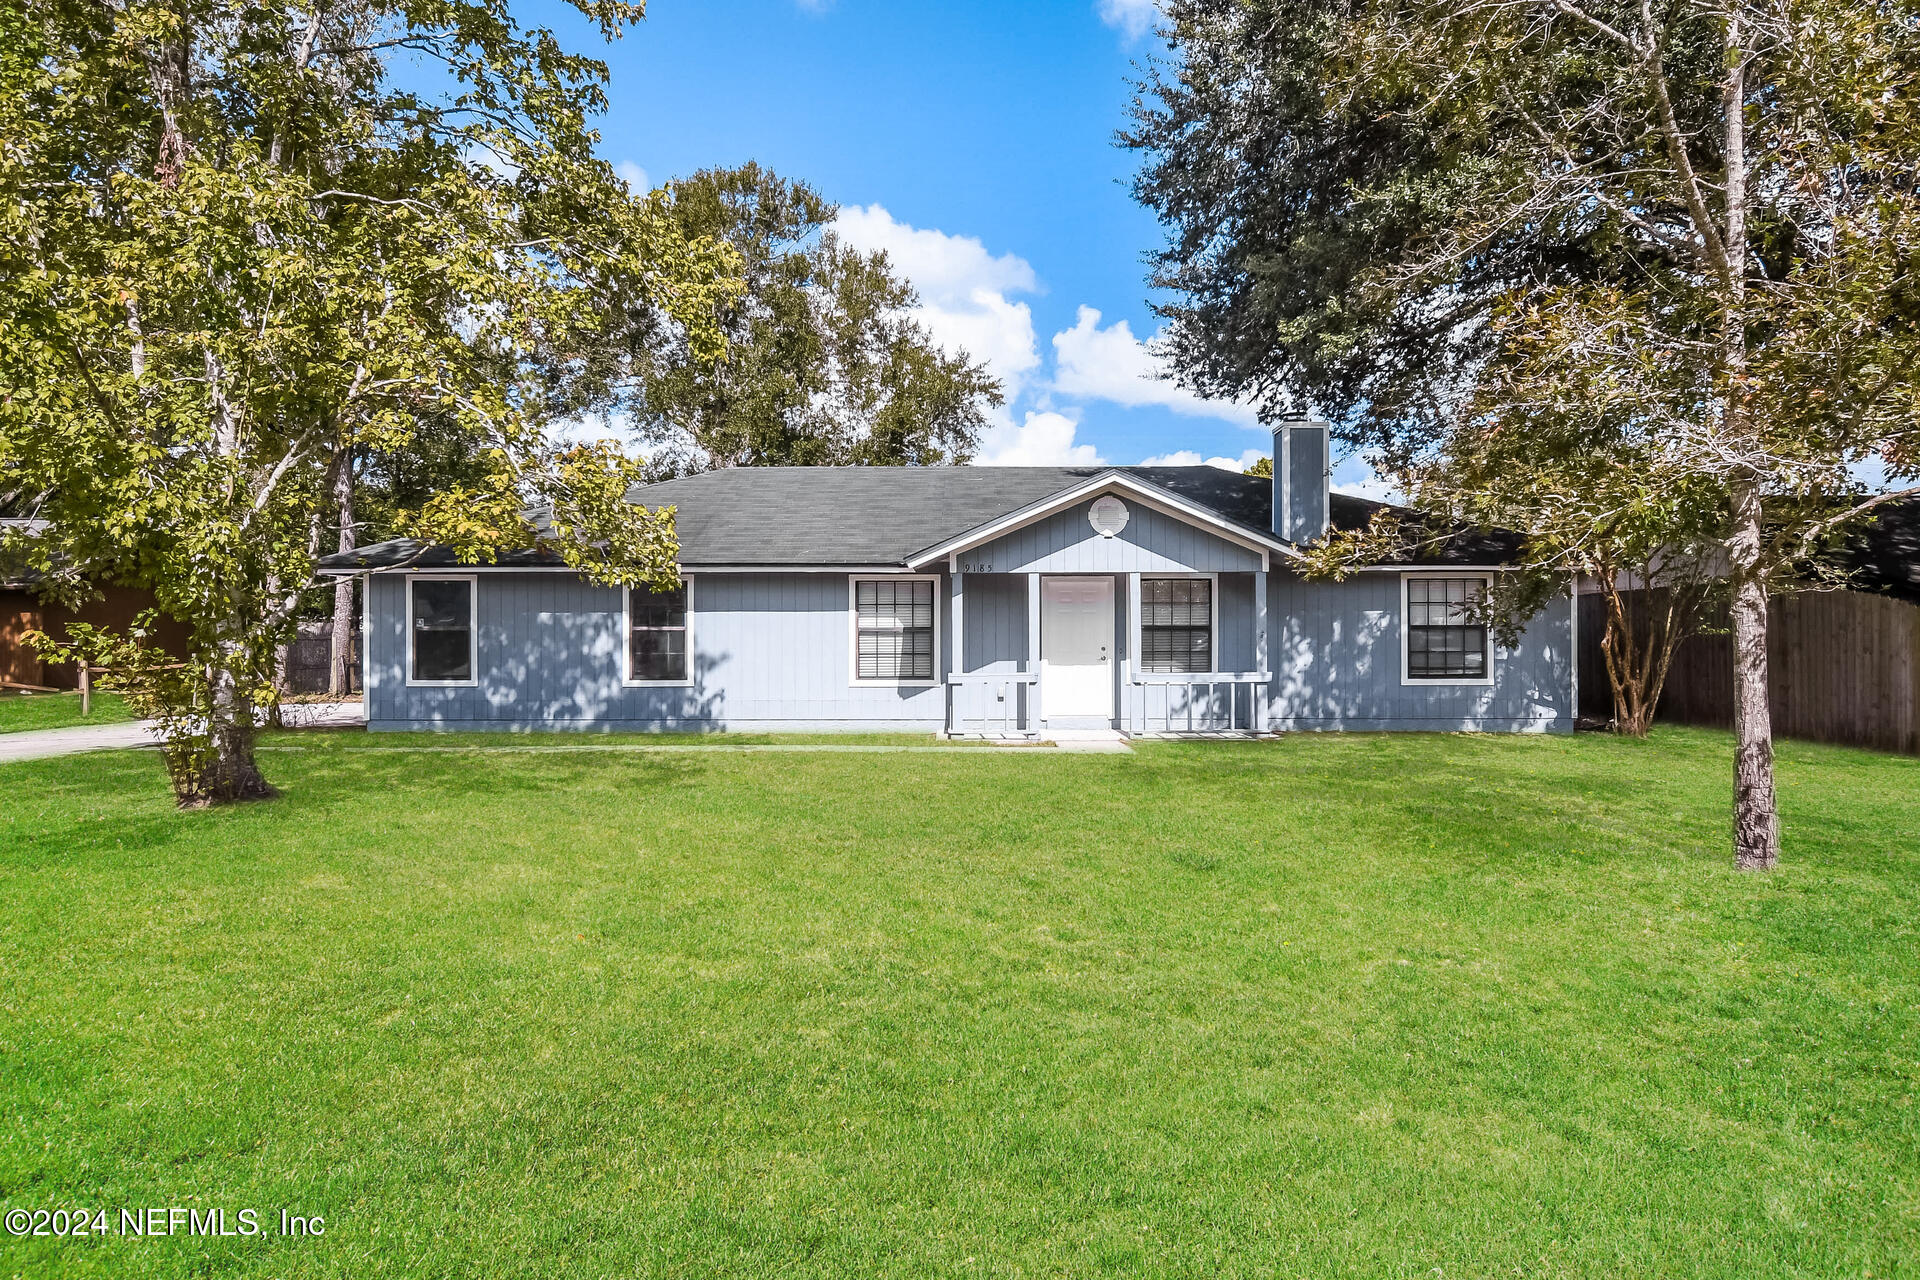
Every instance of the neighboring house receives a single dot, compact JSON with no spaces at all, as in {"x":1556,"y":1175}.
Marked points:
{"x":23,"y":610}
{"x":1016,"y":600}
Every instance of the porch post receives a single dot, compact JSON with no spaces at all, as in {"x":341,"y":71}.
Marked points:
{"x":957,"y":656}
{"x":958,"y":660}
{"x":1134,"y":666}
{"x":1033,"y":653}
{"x":1260,"y":649}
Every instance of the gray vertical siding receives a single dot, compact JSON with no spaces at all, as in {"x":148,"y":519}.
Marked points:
{"x":1236,"y":623}
{"x":1151,"y":543}
{"x":1336,"y":656}
{"x":773,"y":651}
{"x":994,"y":614}
{"x":770,"y":650}
{"x":1304,"y":474}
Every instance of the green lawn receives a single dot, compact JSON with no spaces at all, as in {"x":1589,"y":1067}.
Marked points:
{"x":20,"y":712}
{"x":1329,"y":1006}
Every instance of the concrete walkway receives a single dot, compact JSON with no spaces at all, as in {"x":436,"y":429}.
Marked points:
{"x":39,"y":744}
{"x":43,"y":743}
{"x":510,"y":747}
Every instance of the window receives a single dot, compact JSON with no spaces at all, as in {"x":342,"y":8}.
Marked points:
{"x":440,"y":630}
{"x":1445,"y":641}
{"x":893,"y":622}
{"x":1176,"y":624}
{"x":658,"y":651}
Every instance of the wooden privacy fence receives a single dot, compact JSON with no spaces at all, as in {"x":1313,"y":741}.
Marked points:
{"x":307,"y":663}
{"x":1842,"y":666}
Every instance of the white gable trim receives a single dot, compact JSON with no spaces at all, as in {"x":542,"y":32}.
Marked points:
{"x":1150,"y":495}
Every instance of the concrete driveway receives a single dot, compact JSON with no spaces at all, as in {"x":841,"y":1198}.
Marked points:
{"x":42,"y":743}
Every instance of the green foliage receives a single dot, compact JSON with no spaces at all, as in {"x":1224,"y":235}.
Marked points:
{"x":1367,"y":1005}
{"x":824,"y":367}
{"x":1657,"y":251}
{"x":197,"y":741}
{"x":236,"y":257}
{"x":1471,"y":217}
{"x":1590,"y":506}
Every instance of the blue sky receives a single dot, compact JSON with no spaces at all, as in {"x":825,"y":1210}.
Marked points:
{"x":973,"y":141}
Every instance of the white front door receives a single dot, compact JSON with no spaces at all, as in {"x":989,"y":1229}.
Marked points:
{"x":1076,"y":647}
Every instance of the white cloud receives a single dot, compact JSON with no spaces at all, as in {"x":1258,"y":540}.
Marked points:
{"x":1355,"y":475}
{"x":1190,"y":458}
{"x":1133,"y":17}
{"x":1043,"y":440}
{"x":1112,"y":364}
{"x":634,"y":176}
{"x":963,"y":290}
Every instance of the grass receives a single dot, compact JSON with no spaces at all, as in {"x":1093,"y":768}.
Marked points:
{"x":1394,"y":1006}
{"x":21,"y":712}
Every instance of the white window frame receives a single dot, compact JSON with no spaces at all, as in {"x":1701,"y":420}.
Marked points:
{"x":853,"y":631}
{"x":473,"y":630}
{"x":1408,"y":680}
{"x":626,"y":642}
{"x":1137,"y":652}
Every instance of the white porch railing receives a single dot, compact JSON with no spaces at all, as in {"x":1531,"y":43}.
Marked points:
{"x":1205,"y":702}
{"x":993,"y":705}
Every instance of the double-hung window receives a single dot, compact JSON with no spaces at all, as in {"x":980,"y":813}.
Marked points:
{"x":1176,"y":624}
{"x":894,"y":622}
{"x":658,"y":635}
{"x":1446,"y":633}
{"x":440,"y":631}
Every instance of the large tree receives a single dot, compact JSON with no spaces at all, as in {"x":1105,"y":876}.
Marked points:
{"x":237,"y":253}
{"x":1690,"y":224}
{"x":825,"y":365}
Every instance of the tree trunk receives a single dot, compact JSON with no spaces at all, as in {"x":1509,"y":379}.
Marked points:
{"x":340,"y":678}
{"x":1631,"y":715}
{"x":1650,"y":633}
{"x":229,"y":773}
{"x":1756,"y":825}
{"x":219,"y":768}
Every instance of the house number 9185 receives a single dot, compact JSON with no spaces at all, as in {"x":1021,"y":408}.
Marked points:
{"x":976,"y":566}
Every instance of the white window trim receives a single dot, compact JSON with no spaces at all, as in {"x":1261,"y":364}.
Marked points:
{"x":473,"y":630}
{"x":853,"y":631}
{"x":626,"y":643}
{"x":1412,"y":682}
{"x":1136,"y":651}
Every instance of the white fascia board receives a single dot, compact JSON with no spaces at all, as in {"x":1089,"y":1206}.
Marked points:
{"x":1152,"y":495}
{"x":455,"y":569}
{"x":688,"y":567}
{"x":1441,"y":569}
{"x":893,"y":567}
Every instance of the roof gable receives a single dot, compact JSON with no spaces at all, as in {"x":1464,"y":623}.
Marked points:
{"x":1113,"y":481}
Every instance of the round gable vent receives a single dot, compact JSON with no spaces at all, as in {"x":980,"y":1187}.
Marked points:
{"x":1108,"y":516}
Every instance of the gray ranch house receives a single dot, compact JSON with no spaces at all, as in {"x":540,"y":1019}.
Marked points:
{"x":1000,"y":601}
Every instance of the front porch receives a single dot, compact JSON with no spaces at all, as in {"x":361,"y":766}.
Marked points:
{"x":1165,"y":653}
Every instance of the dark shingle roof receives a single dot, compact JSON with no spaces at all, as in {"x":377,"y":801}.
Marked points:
{"x":882,"y":515}
{"x":13,"y":576}
{"x":1882,"y":553}
{"x":873,"y":515}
